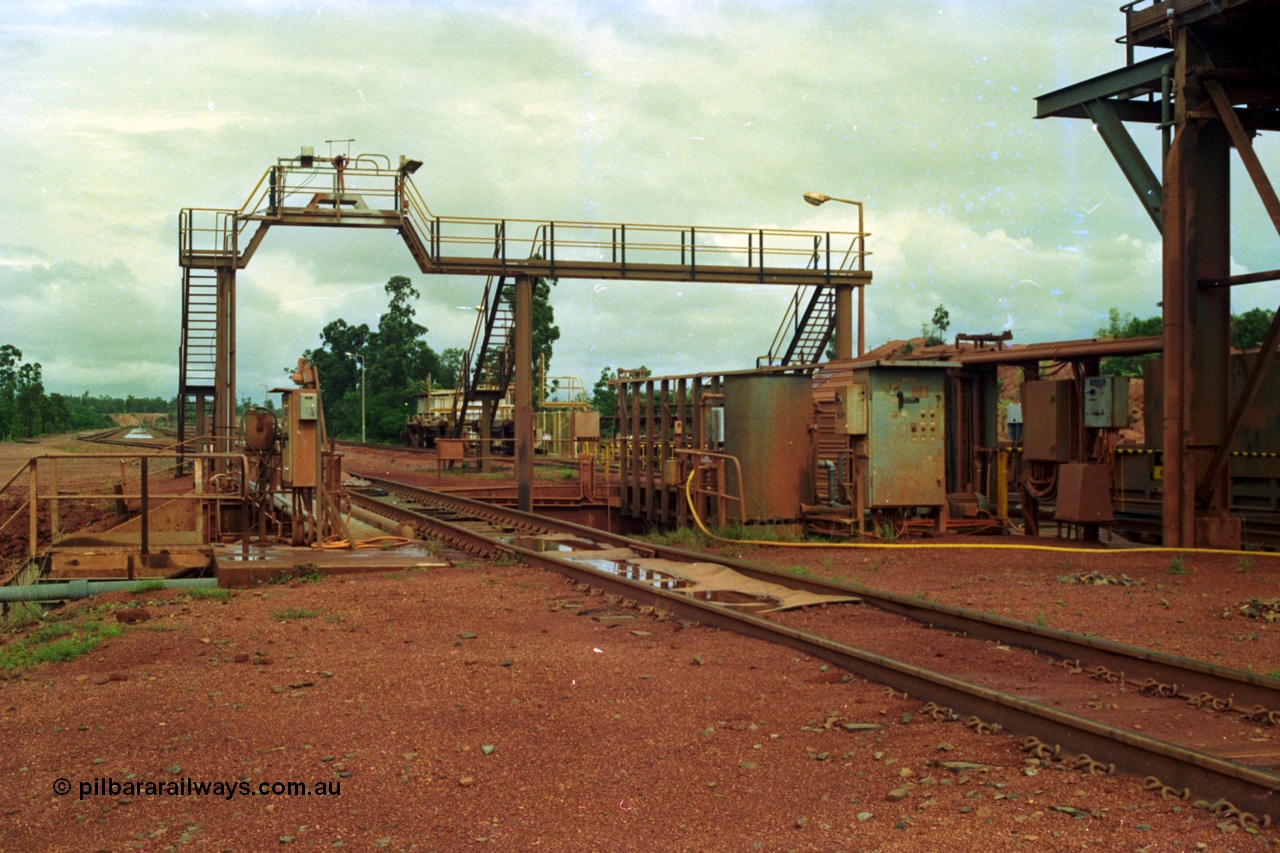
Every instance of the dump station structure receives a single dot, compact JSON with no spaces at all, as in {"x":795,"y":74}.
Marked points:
{"x":1213,"y":85}
{"x":830,"y":445}
{"x":367,"y":192}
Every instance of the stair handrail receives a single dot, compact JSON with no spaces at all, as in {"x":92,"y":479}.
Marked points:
{"x":790,"y":317}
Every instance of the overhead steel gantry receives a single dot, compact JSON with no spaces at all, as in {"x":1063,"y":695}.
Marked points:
{"x":1217,"y":86}
{"x":368,"y":192}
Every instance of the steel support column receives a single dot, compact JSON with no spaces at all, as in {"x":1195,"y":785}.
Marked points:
{"x":524,"y":392}
{"x":862,"y":320}
{"x":844,"y":321}
{"x":224,"y":406}
{"x":1197,"y":321}
{"x":1266,"y":192}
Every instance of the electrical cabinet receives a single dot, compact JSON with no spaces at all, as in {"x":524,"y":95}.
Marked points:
{"x":900,"y":455}
{"x":1106,"y":402}
{"x":851,"y":409}
{"x":299,"y":447}
{"x":1050,"y":413}
{"x":1013,"y":422}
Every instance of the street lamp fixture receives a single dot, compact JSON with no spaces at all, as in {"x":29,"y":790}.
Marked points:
{"x":360,"y":358}
{"x":816,"y":199}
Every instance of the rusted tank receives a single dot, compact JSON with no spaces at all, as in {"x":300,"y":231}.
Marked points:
{"x":259,"y":429}
{"x":766,"y":426}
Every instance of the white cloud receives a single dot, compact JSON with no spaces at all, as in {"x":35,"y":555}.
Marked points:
{"x":121,"y":113}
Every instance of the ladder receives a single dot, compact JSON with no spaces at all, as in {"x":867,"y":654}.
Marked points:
{"x":806,"y":327}
{"x":488,"y":362}
{"x":196,"y":360}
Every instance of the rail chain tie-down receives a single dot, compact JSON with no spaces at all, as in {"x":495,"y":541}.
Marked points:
{"x":1222,"y":808}
{"x":1246,"y":820}
{"x":941,"y":714}
{"x":1083,"y":762}
{"x":1213,"y":703}
{"x":1259,"y":714}
{"x":1151,"y":783}
{"x":1153,"y":687}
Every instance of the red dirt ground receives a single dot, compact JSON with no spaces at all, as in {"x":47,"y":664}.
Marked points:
{"x":476,"y":707}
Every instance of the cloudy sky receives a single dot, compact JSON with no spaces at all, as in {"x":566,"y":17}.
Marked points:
{"x":119,"y":113}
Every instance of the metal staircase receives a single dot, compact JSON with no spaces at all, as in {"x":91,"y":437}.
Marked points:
{"x":806,"y":327}
{"x":196,"y":360}
{"x":488,"y":362}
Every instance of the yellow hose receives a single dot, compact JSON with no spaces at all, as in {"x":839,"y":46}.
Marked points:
{"x":688,"y":494}
{"x":337,"y":544}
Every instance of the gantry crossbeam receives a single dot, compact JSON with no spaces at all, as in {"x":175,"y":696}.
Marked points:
{"x":366,"y":192}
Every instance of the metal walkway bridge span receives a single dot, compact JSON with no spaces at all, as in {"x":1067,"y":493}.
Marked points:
{"x":368,"y":191}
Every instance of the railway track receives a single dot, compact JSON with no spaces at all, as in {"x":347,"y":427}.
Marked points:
{"x":1199,"y":710}
{"x":152,"y":437}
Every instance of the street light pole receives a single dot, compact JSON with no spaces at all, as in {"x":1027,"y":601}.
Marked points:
{"x":816,"y":199}
{"x":362,"y":384}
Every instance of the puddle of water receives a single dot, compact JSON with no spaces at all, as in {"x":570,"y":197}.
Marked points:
{"x":737,"y":600}
{"x":609,"y":566}
{"x":537,"y":543}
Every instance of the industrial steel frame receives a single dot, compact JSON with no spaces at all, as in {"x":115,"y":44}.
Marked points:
{"x":1215,"y":87}
{"x":367,"y":191}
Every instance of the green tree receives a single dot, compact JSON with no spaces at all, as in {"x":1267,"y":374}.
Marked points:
{"x":28,"y":397}
{"x":26,"y":411}
{"x":1124,"y":325}
{"x":399,"y":353}
{"x":935,"y":332}
{"x":450,"y":368}
{"x":396,"y":359}
{"x":10,"y":358}
{"x":545,"y":330}
{"x":340,"y":374}
{"x":1248,"y":329}
{"x":603,"y":398}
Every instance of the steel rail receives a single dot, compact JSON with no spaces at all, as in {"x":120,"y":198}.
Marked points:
{"x":1244,"y":689}
{"x":1098,"y":743}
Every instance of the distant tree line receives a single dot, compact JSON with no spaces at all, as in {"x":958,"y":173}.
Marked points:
{"x":26,"y":411}
{"x":1247,"y":331}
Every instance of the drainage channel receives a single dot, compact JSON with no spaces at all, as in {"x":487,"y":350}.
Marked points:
{"x":1172,"y":767}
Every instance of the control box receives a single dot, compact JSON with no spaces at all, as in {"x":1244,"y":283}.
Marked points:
{"x":900,"y":451}
{"x":300,"y":445}
{"x":1084,"y":493}
{"x":1051,"y":412}
{"x":1013,"y":422}
{"x":851,"y":409}
{"x":1106,"y":402}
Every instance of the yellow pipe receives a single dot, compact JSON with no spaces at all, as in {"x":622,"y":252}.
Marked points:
{"x":688,"y":494}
